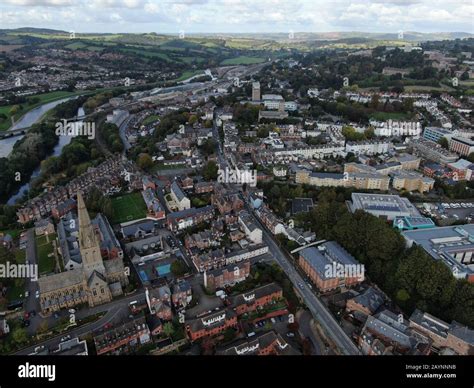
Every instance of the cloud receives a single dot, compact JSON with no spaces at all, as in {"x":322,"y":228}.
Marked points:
{"x":46,"y":3}
{"x":252,"y":16}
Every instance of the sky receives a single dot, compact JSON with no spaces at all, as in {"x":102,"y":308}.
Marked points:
{"x":239,"y":16}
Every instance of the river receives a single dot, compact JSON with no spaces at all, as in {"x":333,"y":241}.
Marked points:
{"x":63,"y":141}
{"x":30,"y":118}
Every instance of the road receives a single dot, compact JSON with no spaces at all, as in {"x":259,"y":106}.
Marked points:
{"x":115,"y":312}
{"x":318,"y":310}
{"x":31,"y":302}
{"x":316,"y":307}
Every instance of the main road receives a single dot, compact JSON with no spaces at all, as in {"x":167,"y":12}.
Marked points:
{"x":316,"y":307}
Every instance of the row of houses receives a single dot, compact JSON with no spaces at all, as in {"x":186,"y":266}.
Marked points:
{"x":106,"y":176}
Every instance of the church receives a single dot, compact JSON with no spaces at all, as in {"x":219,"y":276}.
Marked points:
{"x":97,"y":281}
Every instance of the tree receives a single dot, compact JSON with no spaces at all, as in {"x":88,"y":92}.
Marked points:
{"x":471,"y":157}
{"x":168,"y":329}
{"x":178,"y":268}
{"x":193,"y":119}
{"x":19,"y":336}
{"x":145,"y":161}
{"x":444,"y":143}
{"x":210,"y":171}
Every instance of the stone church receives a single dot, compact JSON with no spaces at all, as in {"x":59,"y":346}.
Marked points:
{"x":95,"y":282}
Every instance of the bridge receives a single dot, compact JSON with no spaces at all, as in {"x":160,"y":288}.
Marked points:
{"x":308,"y":245}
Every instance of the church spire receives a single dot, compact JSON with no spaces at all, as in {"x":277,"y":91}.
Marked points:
{"x":87,"y":237}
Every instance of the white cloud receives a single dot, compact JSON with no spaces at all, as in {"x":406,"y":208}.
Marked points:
{"x":254,"y":16}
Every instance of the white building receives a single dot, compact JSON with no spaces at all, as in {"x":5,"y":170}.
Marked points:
{"x":178,"y":196}
{"x":252,"y":232}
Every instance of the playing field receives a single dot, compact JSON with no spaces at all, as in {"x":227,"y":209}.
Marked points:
{"x":128,"y":207}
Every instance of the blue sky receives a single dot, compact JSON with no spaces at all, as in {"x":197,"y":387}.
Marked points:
{"x":240,"y":16}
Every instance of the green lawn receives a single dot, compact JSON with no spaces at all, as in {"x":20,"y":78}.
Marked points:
{"x":45,"y":250}
{"x":382,"y":116}
{"x":12,"y":232}
{"x":150,"y":119}
{"x":243,"y":60}
{"x":128,"y":207}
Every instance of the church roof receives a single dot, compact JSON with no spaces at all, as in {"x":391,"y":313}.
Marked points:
{"x":60,"y":280}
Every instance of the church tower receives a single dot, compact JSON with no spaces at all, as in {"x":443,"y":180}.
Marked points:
{"x":89,"y":244}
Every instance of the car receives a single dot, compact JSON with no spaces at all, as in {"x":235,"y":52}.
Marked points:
{"x":273,"y":320}
{"x":290,"y":334}
{"x":27,"y":294}
{"x":26,"y":323}
{"x":37,"y":294}
{"x":72,"y":311}
{"x":463,"y":205}
{"x":446,"y":205}
{"x":32,"y":313}
{"x":301,"y":285}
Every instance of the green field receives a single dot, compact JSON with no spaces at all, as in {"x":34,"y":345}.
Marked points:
{"x":189,"y":74}
{"x":243,"y":60}
{"x":128,"y":208}
{"x":45,"y":250}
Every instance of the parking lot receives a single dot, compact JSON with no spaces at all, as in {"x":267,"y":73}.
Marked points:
{"x":449,"y":212}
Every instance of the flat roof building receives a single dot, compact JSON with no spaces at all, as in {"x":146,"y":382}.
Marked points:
{"x":454,"y":245}
{"x":383,"y":205}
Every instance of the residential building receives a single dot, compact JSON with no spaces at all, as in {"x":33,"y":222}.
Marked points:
{"x":182,"y":293}
{"x":252,"y":232}
{"x":267,"y":343}
{"x":211,"y":324}
{"x":256,"y":299}
{"x":329,"y":266}
{"x":454,"y":336}
{"x":394,"y":334}
{"x":411,"y":181}
{"x":367,"y":302}
{"x":177,"y":221}
{"x":182,"y":202}
{"x":123,"y":338}
{"x":226,"y":276}
{"x":154,"y":208}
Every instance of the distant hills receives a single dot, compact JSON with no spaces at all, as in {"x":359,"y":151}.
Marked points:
{"x":239,"y":41}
